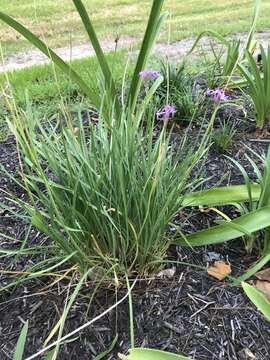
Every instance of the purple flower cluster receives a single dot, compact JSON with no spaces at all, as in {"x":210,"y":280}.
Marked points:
{"x":149,"y":74}
{"x":166,"y":112}
{"x":217,"y":95}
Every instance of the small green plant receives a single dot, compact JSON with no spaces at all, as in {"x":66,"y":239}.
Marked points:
{"x":221,"y":74}
{"x":231,"y":60}
{"x":258,"y":80}
{"x":222,"y":138}
{"x":178,"y":89}
{"x":218,"y":71}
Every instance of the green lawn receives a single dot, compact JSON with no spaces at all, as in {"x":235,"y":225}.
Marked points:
{"x":45,"y":84}
{"x":48,"y":88}
{"x":58,"y":21}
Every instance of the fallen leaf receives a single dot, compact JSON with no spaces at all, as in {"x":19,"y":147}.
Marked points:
{"x":264,"y":286}
{"x":263,"y":275}
{"x":219,"y":270}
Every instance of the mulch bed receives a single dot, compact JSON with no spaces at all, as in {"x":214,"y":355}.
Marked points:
{"x":189,"y":313}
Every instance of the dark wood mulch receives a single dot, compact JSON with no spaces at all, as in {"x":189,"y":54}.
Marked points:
{"x":189,"y":313}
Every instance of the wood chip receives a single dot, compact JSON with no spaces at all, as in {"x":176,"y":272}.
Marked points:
{"x":219,"y":270}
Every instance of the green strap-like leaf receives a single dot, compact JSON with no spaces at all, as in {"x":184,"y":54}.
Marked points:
{"x":222,"y":195}
{"x":18,"y":355}
{"x":151,"y":354}
{"x":211,"y":33}
{"x":256,"y":12}
{"x":153,"y":26}
{"x":39,"y":44}
{"x":258,"y":299}
{"x":251,"y":222}
{"x":98,"y":50}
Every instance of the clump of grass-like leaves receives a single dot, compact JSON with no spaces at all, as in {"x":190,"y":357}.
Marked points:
{"x":223,"y":137}
{"x":258,"y":81}
{"x":105,"y":193}
{"x":178,"y":89}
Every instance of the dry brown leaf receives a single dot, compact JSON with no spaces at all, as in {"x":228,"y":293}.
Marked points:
{"x":263,"y":275}
{"x":264,"y":286}
{"x":219,"y":270}
{"x":263,"y":283}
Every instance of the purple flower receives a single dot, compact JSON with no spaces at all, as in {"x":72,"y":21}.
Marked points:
{"x":217,"y":95}
{"x":149,"y":74}
{"x":166,"y":112}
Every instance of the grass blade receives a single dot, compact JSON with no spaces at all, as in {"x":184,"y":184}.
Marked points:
{"x":99,"y":53}
{"x":253,"y":24}
{"x":60,"y":324}
{"x":153,"y":26}
{"x":82,"y":327}
{"x":212,"y":34}
{"x":18,"y":355}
